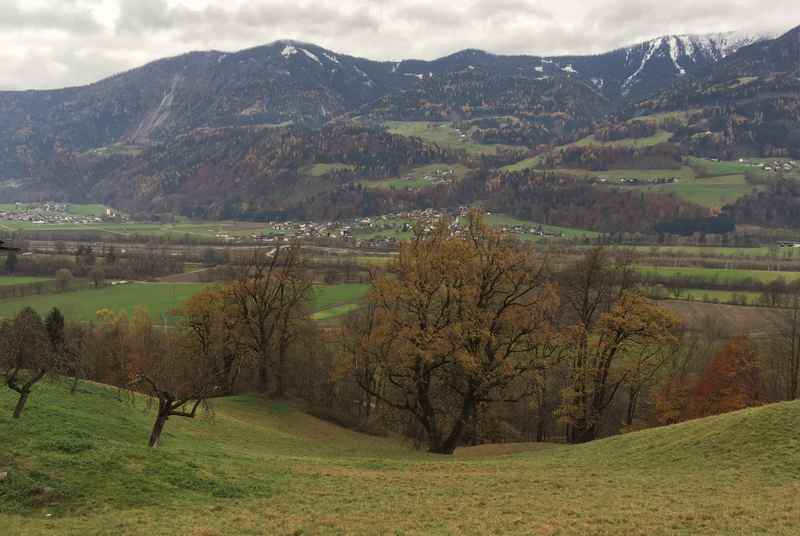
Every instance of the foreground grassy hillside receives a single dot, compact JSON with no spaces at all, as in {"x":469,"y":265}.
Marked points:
{"x":79,"y":465}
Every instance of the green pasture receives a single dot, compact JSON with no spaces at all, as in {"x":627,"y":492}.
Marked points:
{"x":78,"y":465}
{"x":719,"y":275}
{"x":415,"y":177}
{"x":440,"y":133}
{"x":11,"y":281}
{"x":158,"y":299}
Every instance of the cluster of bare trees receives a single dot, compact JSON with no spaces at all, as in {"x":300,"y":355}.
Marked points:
{"x":468,"y":336}
{"x":248,"y":325}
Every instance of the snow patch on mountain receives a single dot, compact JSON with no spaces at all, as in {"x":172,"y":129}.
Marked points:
{"x":367,"y":80}
{"x":675,"y":52}
{"x":311,"y":55}
{"x":288,"y":51}
{"x":653,"y":46}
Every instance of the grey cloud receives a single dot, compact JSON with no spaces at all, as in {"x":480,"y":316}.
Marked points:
{"x":106,"y":36}
{"x":65,"y":16}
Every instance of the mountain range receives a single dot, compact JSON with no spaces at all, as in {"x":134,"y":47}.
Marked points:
{"x":90,"y":142}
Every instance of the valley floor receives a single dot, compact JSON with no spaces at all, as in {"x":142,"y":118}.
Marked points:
{"x":79,"y":465}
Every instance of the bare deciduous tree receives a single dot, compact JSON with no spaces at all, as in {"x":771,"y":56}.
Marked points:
{"x":268,"y":295}
{"x":25,"y":356}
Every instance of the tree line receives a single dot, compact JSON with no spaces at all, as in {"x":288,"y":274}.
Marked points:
{"x":468,"y":336}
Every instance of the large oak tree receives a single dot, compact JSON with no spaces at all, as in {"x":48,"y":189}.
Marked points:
{"x":461,"y":319}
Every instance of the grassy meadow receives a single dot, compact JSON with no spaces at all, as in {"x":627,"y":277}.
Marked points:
{"x":90,"y":210}
{"x":661,"y":136}
{"x":716,"y":251}
{"x":79,"y":465}
{"x":720,"y":275}
{"x":159,"y":299}
{"x":725,"y":181}
{"x":319,"y":170}
{"x":502,"y":220}
{"x":442,"y":134}
{"x":11,"y":280}
{"x":202,"y":230}
{"x":416,"y":177}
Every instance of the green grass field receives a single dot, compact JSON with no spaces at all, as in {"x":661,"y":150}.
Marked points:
{"x":442,"y":134}
{"x":661,"y":136}
{"x":681,"y":115}
{"x":722,"y":276}
{"x":93,"y":210}
{"x":716,"y":251}
{"x":158,"y":299}
{"x":725,"y":184}
{"x":330,"y":296}
{"x":522,"y":165}
{"x":502,"y":220}
{"x":719,"y":296}
{"x":714,"y":192}
{"x":318,"y":170}
{"x":78,"y":465}
{"x":10,"y":281}
{"x":714,"y":296}
{"x":415,"y":178}
{"x":724,"y":167}
{"x":176,"y":230}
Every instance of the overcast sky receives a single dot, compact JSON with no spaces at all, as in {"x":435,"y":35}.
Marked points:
{"x":56,"y":43}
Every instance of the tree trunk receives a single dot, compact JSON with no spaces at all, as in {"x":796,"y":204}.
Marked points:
{"x":263,"y":377}
{"x":280,"y":382}
{"x":23,"y":398}
{"x":633,"y":397}
{"x":158,"y":427}
{"x":229,"y":374}
{"x":541,"y":424}
{"x":74,"y":386}
{"x":449,"y":445}
{"x":581,"y":432}
{"x":542,"y":412}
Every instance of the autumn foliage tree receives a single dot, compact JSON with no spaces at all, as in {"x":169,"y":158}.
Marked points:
{"x":210,"y":322}
{"x":611,"y":337}
{"x":461,"y":319}
{"x":731,"y":381}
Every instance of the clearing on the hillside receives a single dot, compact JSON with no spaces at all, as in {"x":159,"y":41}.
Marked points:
{"x":725,"y":181}
{"x":79,"y":465}
{"x":441,"y":134}
{"x":420,"y":177}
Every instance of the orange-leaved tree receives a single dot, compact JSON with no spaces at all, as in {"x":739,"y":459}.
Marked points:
{"x":731,"y":381}
{"x":461,"y":319}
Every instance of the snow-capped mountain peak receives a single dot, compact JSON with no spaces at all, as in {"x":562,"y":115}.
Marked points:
{"x":678,"y":55}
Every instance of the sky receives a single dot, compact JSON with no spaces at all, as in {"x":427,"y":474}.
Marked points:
{"x":48,"y":44}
